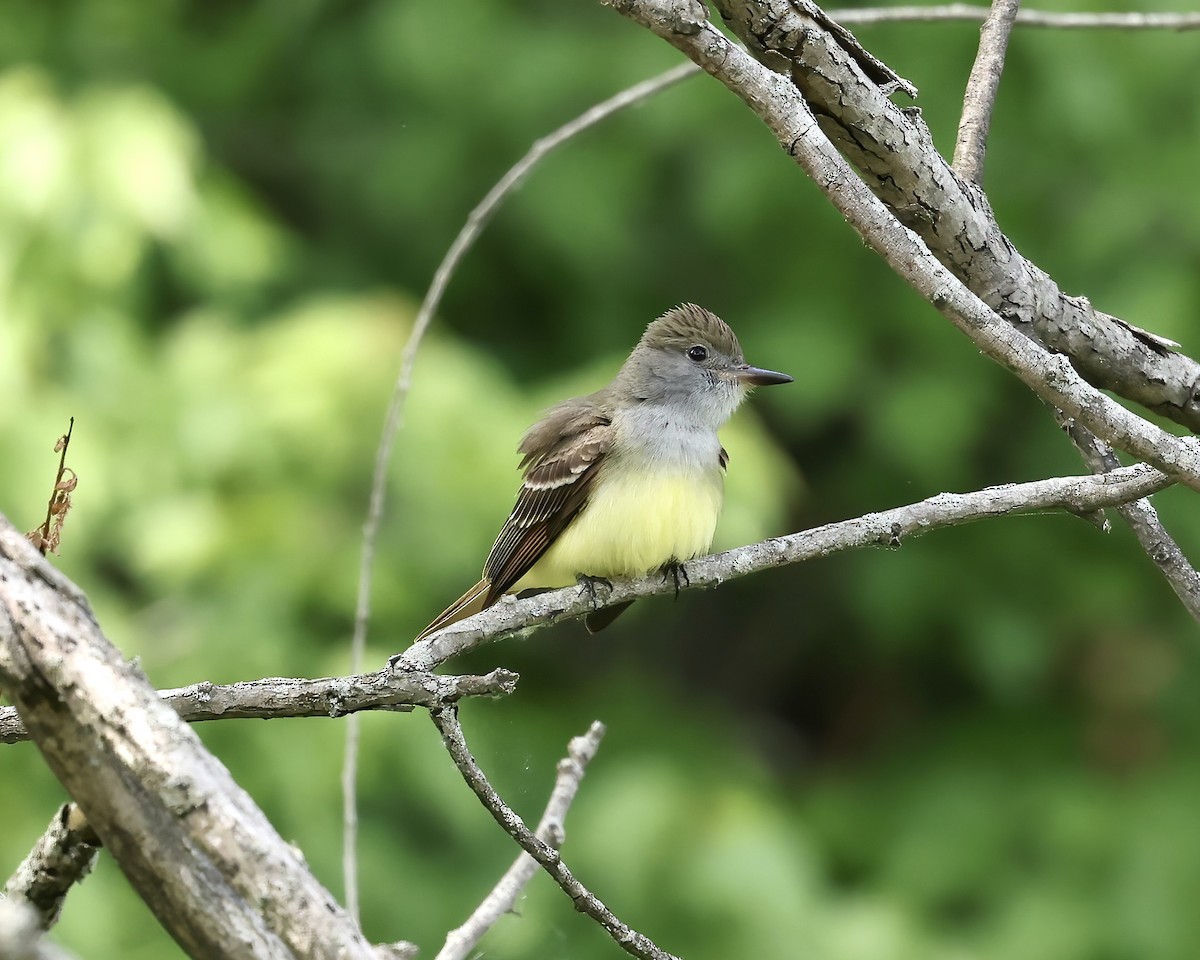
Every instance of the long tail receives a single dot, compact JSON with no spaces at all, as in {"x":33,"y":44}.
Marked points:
{"x":468,"y":604}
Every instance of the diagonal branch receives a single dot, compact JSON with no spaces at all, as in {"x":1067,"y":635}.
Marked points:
{"x":1143,"y":520}
{"x":628,"y":939}
{"x":580,"y":751}
{"x":894,"y":154}
{"x":889,"y":528}
{"x":276,"y":697}
{"x":781,"y":106}
{"x":970,"y":150}
{"x":192,"y":843}
{"x":62,"y":857}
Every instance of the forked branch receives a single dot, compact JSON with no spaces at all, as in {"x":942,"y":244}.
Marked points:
{"x":461,"y":941}
{"x":1143,"y":520}
{"x":628,"y":939}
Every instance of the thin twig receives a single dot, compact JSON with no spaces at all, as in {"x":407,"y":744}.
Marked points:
{"x":628,"y":939}
{"x":1077,"y":494}
{"x":970,"y":150}
{"x":63,"y":856}
{"x":1026,"y":18}
{"x":580,"y":751}
{"x":394,"y":420}
{"x":1143,"y":520}
{"x":277,"y":697}
{"x":47,"y":536}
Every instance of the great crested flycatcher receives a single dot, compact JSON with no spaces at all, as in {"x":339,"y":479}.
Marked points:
{"x":628,"y":479}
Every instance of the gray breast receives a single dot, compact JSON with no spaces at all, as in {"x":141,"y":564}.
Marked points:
{"x":666,"y":438}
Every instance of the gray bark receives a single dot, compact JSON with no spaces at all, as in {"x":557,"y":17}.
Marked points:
{"x":63,"y":855}
{"x":893,"y":151}
{"x":275,"y":697}
{"x":192,"y":843}
{"x":889,"y":528}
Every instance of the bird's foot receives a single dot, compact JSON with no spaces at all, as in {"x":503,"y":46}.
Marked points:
{"x":591,"y":584}
{"x":677,"y":572}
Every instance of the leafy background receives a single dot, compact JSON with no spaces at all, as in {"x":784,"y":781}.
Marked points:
{"x":215,"y":222}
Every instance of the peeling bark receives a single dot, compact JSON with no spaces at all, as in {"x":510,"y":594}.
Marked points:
{"x":893,"y":151}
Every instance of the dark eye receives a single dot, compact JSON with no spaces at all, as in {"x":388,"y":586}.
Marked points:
{"x":697,"y":353}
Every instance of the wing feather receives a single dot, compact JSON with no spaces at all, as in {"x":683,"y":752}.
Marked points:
{"x":558,"y":476}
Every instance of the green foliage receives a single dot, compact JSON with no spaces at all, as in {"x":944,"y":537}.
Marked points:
{"x":215,"y":223}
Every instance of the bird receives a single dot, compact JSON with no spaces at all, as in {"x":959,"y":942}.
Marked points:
{"x":629,"y":479}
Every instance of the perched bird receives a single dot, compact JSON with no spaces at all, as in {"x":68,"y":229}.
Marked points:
{"x":628,"y":479}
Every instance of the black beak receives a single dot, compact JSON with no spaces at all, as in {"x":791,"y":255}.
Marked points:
{"x":758,"y":377}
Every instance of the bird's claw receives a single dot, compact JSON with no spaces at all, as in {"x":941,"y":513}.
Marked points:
{"x":677,"y":572}
{"x":590,"y":584}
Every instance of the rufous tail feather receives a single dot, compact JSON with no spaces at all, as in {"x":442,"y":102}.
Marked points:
{"x":465,"y":606}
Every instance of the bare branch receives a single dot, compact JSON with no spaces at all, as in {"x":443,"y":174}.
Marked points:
{"x":550,"y":830}
{"x":276,"y":697}
{"x":1143,"y":520}
{"x":394,"y":420}
{"x":62,"y":857}
{"x":1026,"y":18}
{"x":970,"y":150}
{"x":192,"y":843}
{"x":21,"y":935}
{"x":889,"y":528}
{"x":893,"y":151}
{"x":1050,"y":376}
{"x":628,"y":939}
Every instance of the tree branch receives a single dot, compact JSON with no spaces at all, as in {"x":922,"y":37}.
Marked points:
{"x":192,"y":843}
{"x":62,"y":857}
{"x":550,"y":830}
{"x":970,"y":150}
{"x":1076,"y":494}
{"x":779,"y":104}
{"x":276,"y":697}
{"x":628,"y":939}
{"x":894,"y":153}
{"x":1143,"y":520}
{"x":1026,"y":18}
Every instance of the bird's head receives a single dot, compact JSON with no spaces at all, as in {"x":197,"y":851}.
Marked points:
{"x":690,"y":358}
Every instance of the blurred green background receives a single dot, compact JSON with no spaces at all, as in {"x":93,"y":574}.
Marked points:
{"x":216,"y":220}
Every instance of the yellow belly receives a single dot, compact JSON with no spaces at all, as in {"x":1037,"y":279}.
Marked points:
{"x":633,"y":525}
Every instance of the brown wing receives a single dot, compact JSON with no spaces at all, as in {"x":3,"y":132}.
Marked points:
{"x":563,"y":454}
